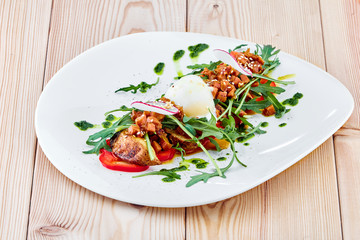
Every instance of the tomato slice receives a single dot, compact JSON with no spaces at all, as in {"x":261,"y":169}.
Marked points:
{"x":166,"y":155}
{"x":110,"y":161}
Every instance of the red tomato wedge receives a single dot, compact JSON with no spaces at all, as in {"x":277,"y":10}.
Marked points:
{"x":110,"y":161}
{"x":166,"y":155}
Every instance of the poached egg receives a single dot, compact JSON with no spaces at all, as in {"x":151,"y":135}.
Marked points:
{"x":193,"y":95}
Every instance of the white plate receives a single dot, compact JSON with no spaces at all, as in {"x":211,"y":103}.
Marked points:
{"x":84,"y":90}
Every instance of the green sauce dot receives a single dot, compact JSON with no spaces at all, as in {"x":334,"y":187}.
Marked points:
{"x":168,"y":179}
{"x":264,"y":124}
{"x":83,"y":125}
{"x":110,"y":117}
{"x":195,"y":161}
{"x":246,"y":144}
{"x":178,"y":54}
{"x":197,"y":49}
{"x":282,"y":124}
{"x":221,"y":159}
{"x":298,"y":95}
{"x":201,"y":165}
{"x":106,"y":124}
{"x":159,"y":68}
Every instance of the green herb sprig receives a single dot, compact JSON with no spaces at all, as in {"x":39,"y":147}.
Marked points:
{"x":141,"y":87}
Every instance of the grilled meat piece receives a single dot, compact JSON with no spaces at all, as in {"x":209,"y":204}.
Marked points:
{"x":132,"y":149}
{"x":185,"y":142}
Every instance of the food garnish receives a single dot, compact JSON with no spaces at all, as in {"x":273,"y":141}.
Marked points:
{"x":165,"y":108}
{"x":229,"y":59}
{"x":207,"y":110}
{"x":142,"y":87}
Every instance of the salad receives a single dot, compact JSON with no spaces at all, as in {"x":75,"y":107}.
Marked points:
{"x":205,"y":110}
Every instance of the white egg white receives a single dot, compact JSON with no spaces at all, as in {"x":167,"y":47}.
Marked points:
{"x":193,"y":95}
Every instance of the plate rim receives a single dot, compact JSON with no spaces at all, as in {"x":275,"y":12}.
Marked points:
{"x":339,"y":124}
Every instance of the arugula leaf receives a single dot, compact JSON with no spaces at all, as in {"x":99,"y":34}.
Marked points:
{"x":123,"y":108}
{"x":263,"y":88}
{"x":197,"y":142}
{"x":203,"y":177}
{"x":211,"y":66}
{"x":98,"y":140}
{"x":198,"y":68}
{"x":256,"y":106}
{"x":273,"y":80}
{"x":190,"y":129}
{"x":142,"y":87}
{"x":171,"y":173}
{"x":279,"y":108}
{"x":267,"y":52}
{"x":207,"y":128}
{"x":217,"y":146}
{"x":149,"y":147}
{"x":239,"y":47}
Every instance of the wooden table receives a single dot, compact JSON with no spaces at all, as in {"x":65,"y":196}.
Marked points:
{"x":317,"y":198}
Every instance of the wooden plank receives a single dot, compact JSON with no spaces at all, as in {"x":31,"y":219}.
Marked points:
{"x":301,"y":202}
{"x":347,"y":149}
{"x":59,"y":207}
{"x":24,"y":32}
{"x":341,"y":24}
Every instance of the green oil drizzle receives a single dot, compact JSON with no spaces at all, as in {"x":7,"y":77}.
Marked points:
{"x":221,"y":158}
{"x":83,"y":125}
{"x":246,"y":144}
{"x":286,"y":76}
{"x":159,"y":68}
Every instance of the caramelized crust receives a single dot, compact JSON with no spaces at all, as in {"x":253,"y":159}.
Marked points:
{"x":132,"y":149}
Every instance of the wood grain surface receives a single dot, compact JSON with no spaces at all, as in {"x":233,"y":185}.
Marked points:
{"x":59,"y":207}
{"x":341,"y":24}
{"x":317,"y":198}
{"x":300,"y":202}
{"x":24,"y":29}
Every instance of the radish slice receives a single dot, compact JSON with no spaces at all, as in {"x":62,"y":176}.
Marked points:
{"x":227,"y":58}
{"x":165,"y":108}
